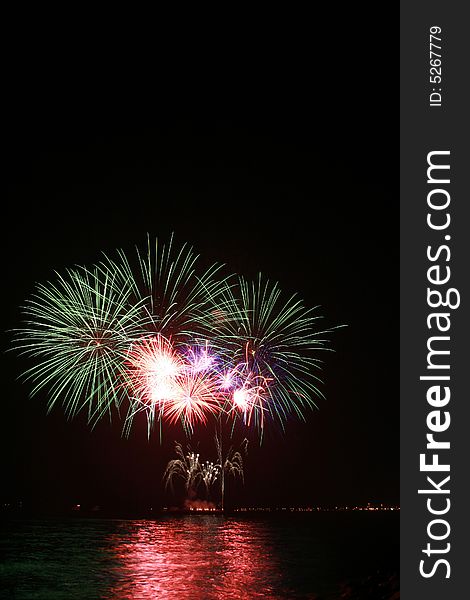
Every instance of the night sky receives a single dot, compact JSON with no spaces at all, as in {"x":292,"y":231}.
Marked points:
{"x":281,"y":160}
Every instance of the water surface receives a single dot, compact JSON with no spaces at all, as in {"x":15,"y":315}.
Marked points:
{"x":191,"y":557}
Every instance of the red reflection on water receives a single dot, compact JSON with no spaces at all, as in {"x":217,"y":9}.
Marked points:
{"x":192,"y":557}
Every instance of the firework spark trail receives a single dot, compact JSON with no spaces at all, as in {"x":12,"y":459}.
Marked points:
{"x":209,"y":475}
{"x":233,"y":463}
{"x":186,"y":467}
{"x":230,"y":464}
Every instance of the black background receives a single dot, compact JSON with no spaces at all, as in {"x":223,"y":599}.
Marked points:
{"x":274,"y":150}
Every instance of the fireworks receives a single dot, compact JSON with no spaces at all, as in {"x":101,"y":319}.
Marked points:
{"x":189,"y":468}
{"x":186,"y":467}
{"x":245,"y":394}
{"x":209,"y":475}
{"x":173,"y":344}
{"x":176,"y":298}
{"x":166,"y":385}
{"x":78,"y":331}
{"x":230,"y":464}
{"x":273,"y":344}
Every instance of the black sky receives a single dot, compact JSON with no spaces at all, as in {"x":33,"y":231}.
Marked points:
{"x":280,"y":158}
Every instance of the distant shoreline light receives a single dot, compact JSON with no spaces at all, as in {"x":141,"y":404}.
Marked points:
{"x":368,"y":508}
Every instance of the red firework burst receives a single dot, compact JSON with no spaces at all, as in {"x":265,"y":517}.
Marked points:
{"x":248,"y":396}
{"x":165,"y":385}
{"x":197,"y":396}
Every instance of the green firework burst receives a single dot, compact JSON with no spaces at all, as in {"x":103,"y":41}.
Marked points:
{"x":78,"y":330}
{"x":276,"y":339}
{"x":176,"y":299}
